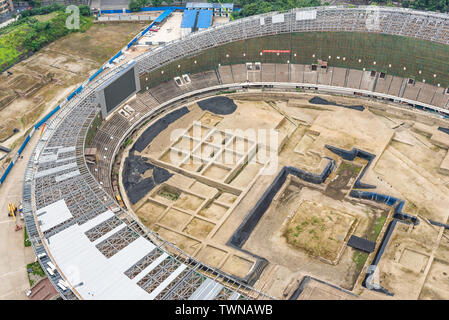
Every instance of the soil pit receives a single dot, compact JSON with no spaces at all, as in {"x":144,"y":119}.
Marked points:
{"x":414,"y":260}
{"x":197,"y":131}
{"x":193,"y":164}
{"x":214,"y":211}
{"x":199,"y":228}
{"x":167,"y":194}
{"x":203,"y":189}
{"x":218,"y":138}
{"x":246,"y":174}
{"x":174,"y":219}
{"x":238,"y":266}
{"x":150,"y":211}
{"x":173,"y":157}
{"x":211,"y":256}
{"x":227,"y":198}
{"x":184,"y":243}
{"x":185,"y":143}
{"x":240,"y":145}
{"x":229,"y":158}
{"x":217,"y":172}
{"x":345,"y":175}
{"x":206,"y":151}
{"x":188,"y":201}
{"x":437,"y":282}
{"x":319,"y":230}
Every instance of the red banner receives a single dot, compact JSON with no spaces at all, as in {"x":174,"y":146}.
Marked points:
{"x":276,"y":51}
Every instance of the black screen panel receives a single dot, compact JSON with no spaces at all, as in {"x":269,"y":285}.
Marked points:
{"x":120,"y":89}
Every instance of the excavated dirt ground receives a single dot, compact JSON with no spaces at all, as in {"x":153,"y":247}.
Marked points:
{"x":202,"y":204}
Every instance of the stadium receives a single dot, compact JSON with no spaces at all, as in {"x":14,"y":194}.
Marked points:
{"x":111,"y":214}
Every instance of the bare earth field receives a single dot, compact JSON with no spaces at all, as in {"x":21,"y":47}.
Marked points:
{"x":37,"y":84}
{"x":305,"y":230}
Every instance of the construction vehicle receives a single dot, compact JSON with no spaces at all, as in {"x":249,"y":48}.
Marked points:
{"x":11,"y":209}
{"x":120,"y":201}
{"x":12,"y":213}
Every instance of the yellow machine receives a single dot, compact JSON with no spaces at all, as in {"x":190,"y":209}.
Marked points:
{"x":12,"y":210}
{"x":120,"y":201}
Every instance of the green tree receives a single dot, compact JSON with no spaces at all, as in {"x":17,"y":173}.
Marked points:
{"x":84,"y":10}
{"x":134,"y":6}
{"x":156,"y":3}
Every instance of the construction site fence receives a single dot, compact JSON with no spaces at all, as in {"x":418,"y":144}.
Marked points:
{"x":146,"y":9}
{"x":25,"y":142}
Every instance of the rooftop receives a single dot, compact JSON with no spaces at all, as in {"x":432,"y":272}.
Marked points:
{"x":188,"y":19}
{"x":204,"y":19}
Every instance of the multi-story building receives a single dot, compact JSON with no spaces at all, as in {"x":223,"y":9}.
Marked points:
{"x":6,"y":6}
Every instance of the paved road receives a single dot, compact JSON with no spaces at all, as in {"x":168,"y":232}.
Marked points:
{"x":13,"y":255}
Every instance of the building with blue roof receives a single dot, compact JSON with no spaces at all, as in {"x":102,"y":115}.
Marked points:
{"x":223,"y":9}
{"x":163,"y":16}
{"x":188,"y":21}
{"x":204,"y":19}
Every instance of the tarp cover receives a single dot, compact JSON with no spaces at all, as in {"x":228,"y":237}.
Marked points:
{"x":218,"y":105}
{"x":361,"y":244}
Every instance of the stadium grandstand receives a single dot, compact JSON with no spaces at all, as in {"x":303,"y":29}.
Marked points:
{"x":92,"y":248}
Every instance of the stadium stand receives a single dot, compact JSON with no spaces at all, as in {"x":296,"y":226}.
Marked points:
{"x":117,"y":257}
